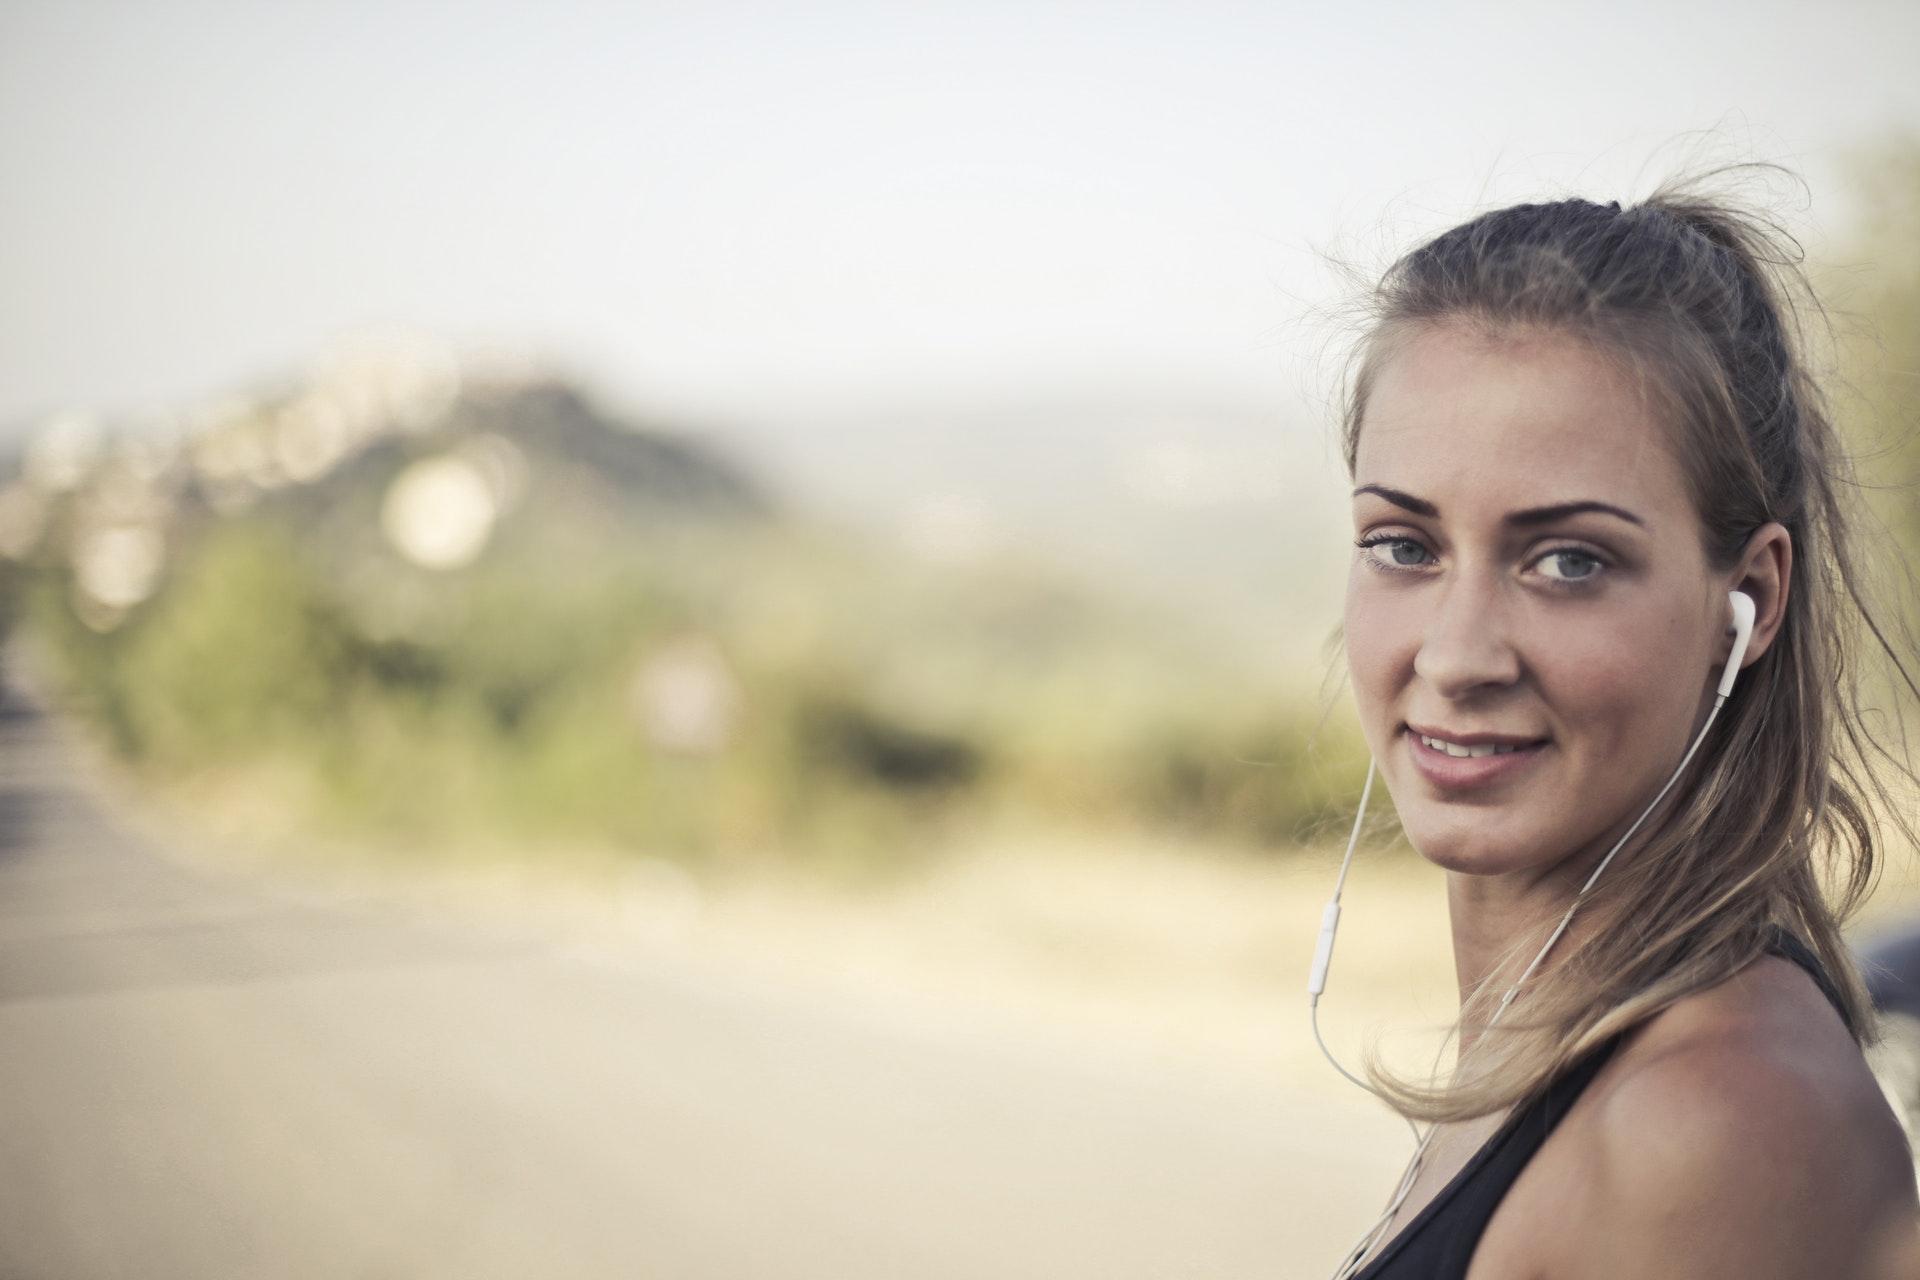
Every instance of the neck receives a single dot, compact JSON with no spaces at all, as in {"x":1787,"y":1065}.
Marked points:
{"x":1501,"y":922}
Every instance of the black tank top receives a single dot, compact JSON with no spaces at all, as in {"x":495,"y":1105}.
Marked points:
{"x":1439,"y":1242}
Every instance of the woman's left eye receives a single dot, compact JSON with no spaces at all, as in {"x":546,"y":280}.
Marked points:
{"x":1400,"y":553}
{"x":1571,"y":565}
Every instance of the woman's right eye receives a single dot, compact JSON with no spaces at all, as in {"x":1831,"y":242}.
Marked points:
{"x":1394,"y":552}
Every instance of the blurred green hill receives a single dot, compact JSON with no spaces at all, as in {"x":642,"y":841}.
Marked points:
{"x":430,"y":610}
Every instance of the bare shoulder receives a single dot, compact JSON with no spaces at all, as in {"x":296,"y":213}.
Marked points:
{"x":1739,"y":1133}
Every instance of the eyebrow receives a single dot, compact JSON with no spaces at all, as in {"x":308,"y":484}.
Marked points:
{"x":1527,"y":516}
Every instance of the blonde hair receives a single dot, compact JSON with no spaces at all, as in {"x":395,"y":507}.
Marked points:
{"x":1775,"y":825}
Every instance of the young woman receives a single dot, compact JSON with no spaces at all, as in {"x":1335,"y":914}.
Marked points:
{"x":1574,"y":429}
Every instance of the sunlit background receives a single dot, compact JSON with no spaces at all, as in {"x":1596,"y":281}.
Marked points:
{"x":577,"y":574}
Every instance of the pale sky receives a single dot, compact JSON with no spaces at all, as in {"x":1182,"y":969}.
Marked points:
{"x":760,"y":211}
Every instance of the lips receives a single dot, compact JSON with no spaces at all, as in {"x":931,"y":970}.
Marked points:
{"x":1463,"y":738}
{"x":1490,"y":757}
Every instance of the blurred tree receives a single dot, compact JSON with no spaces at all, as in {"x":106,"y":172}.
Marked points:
{"x":1878,"y":290}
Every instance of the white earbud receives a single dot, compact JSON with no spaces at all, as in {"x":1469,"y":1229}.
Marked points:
{"x":1742,"y":632}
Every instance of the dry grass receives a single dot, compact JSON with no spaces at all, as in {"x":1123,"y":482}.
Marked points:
{"x":1177,"y":950}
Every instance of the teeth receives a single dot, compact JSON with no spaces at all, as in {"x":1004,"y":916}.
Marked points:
{"x":1456,"y":749}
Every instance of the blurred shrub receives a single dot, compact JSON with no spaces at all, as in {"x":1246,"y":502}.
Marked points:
{"x":507,"y":715}
{"x":1269,"y":774}
{"x":242,"y":653}
{"x":709,"y":686}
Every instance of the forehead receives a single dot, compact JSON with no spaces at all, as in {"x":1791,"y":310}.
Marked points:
{"x":1460,"y":415}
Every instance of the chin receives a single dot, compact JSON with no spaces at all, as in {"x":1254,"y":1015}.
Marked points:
{"x":1470,"y":863}
{"x":1471,"y":852}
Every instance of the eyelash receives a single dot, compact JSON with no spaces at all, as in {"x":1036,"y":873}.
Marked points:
{"x":1602,"y":566}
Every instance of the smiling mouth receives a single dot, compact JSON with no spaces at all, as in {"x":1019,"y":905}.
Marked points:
{"x":1467,"y":758}
{"x":1465,"y":746}
{"x":1462,"y":768}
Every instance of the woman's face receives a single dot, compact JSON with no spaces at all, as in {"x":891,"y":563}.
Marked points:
{"x":1531,"y":624}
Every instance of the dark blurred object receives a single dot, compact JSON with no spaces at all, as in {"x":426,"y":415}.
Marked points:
{"x":1891,"y":966}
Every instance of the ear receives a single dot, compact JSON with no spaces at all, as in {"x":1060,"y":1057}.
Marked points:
{"x":1765,"y":572}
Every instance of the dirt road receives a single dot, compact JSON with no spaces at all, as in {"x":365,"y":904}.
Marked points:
{"x":208,"y":1076}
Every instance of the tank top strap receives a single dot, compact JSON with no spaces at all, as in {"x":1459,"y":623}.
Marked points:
{"x":1782,"y":941}
{"x":1440,"y":1239}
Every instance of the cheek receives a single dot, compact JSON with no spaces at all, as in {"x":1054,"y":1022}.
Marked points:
{"x":1619,"y":690}
{"x":1381,"y":641}
{"x":1596,"y":689}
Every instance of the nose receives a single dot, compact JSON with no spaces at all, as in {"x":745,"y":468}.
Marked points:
{"x":1468,"y":646}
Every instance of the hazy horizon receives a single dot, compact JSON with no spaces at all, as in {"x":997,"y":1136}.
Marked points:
{"x":765,"y":216}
